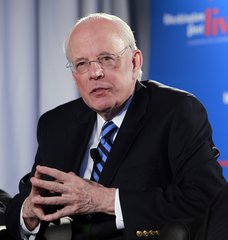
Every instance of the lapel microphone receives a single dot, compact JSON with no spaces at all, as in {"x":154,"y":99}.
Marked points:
{"x":95,"y":155}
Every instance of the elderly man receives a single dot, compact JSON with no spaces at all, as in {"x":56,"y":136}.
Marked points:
{"x":124,"y":159}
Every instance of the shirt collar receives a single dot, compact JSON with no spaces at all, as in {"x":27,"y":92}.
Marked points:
{"x":118,"y":119}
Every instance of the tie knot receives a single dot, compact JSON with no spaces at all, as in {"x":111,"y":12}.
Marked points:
{"x":108,"y":130}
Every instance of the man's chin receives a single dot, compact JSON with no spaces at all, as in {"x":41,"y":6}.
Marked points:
{"x":107,"y":112}
{"x":103,"y":110}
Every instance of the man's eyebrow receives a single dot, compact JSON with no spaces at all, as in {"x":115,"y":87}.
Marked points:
{"x":79,"y":59}
{"x":105,"y":53}
{"x":100,"y":54}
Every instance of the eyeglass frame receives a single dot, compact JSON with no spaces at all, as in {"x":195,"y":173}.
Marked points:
{"x":116,"y":56}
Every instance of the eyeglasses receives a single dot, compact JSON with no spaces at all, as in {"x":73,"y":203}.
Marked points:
{"x":106,"y":61}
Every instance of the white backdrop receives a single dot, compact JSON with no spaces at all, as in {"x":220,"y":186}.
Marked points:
{"x":33,"y":78}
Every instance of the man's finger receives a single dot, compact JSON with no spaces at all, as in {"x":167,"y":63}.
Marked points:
{"x":51,"y":186}
{"x":52,"y":172}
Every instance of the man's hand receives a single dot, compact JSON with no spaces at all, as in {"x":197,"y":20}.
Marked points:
{"x":31,"y":211}
{"x":76,"y":195}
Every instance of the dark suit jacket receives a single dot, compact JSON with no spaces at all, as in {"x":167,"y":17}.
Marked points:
{"x":163,"y":159}
{"x":215,"y":223}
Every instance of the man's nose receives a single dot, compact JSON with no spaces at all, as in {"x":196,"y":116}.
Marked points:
{"x":95,"y":70}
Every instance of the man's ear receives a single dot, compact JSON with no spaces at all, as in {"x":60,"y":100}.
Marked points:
{"x":137,"y":62}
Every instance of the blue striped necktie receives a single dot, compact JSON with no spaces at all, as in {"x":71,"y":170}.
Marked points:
{"x":104,"y":147}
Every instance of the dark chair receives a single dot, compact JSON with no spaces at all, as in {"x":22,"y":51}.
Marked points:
{"x":172,"y":231}
{"x":4,"y":199}
{"x":176,"y":231}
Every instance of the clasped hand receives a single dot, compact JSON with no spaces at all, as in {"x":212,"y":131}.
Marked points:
{"x":76,"y":195}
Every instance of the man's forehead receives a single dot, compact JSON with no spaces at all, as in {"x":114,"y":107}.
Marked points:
{"x":93,"y":36}
{"x":97,"y":40}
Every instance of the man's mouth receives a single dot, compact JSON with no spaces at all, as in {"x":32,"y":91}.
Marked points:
{"x":99,"y":90}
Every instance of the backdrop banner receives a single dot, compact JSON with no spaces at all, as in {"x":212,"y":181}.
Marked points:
{"x":190,"y":51}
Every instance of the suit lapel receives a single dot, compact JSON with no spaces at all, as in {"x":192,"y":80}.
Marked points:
{"x":131,"y":126}
{"x":79,"y":132}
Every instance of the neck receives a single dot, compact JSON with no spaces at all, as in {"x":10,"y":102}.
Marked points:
{"x":111,"y":113}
